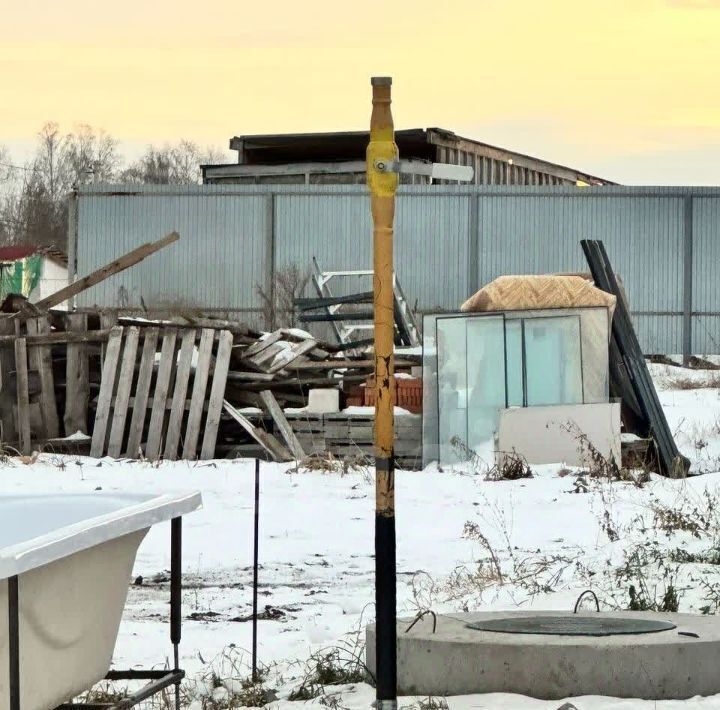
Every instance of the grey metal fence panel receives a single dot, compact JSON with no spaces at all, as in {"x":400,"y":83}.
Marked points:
{"x":221,"y":251}
{"x":706,"y":282}
{"x":336,"y":229}
{"x":643,"y":236}
{"x":450,"y":240}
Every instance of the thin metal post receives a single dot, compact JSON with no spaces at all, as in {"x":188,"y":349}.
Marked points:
{"x":14,"y":641}
{"x":687,"y":279}
{"x":255,"y":570}
{"x":382,"y":152}
{"x":176,"y":596}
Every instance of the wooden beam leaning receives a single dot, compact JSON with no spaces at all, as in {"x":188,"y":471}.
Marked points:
{"x":217,"y":395}
{"x":107,"y":387}
{"x":127,"y":372}
{"x":182,"y":378}
{"x":272,"y":407}
{"x":197,"y":400}
{"x":267,"y":441}
{"x":162,"y":386}
{"x":114,"y":267}
{"x":142,"y":391}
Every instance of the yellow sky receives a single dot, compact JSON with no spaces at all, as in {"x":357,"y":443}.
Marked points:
{"x":601,"y":84}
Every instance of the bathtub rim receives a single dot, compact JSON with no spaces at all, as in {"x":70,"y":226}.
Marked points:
{"x":69,"y":539}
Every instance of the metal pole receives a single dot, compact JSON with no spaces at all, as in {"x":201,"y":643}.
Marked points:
{"x":382,"y":160}
{"x":176,"y":596}
{"x":14,"y":642}
{"x":255,"y":570}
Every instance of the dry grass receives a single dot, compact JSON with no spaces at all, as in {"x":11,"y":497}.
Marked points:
{"x":684,"y":382}
{"x":325,"y":462}
{"x":510,"y":467}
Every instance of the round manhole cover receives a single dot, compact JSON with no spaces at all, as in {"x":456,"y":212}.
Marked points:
{"x":571,"y":625}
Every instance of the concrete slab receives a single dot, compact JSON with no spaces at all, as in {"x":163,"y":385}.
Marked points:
{"x":456,"y":660}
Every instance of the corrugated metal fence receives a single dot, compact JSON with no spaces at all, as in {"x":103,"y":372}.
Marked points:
{"x":663,"y":242}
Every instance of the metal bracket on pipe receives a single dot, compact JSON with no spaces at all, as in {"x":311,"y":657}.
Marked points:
{"x":436,"y":171}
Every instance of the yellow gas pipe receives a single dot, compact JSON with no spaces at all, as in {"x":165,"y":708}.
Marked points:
{"x":382,"y":175}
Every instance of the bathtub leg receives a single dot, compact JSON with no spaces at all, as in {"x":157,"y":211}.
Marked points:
{"x":14,"y":642}
{"x":176,"y":596}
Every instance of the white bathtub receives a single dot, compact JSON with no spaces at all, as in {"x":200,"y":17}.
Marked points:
{"x":73,"y":557}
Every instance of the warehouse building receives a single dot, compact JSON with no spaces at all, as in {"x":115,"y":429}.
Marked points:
{"x":339,"y":158}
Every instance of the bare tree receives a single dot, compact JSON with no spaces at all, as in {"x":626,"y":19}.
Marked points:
{"x":34,"y":197}
{"x":279,"y":305}
{"x":172,"y":164}
{"x":36,"y":204}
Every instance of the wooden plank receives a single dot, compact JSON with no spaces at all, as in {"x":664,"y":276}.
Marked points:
{"x":162,"y":386}
{"x":274,"y":410}
{"x":23,"y":397}
{"x":250,"y":376}
{"x":182,"y":378}
{"x":107,"y":386}
{"x":265,"y":356}
{"x":197,"y":401}
{"x":124,"y":262}
{"x":344,"y":364}
{"x":8,"y":393}
{"x":142,"y":391}
{"x":42,"y":357}
{"x":217,"y":395}
{"x":127,"y":372}
{"x":60,"y":337}
{"x":261,"y":345}
{"x":77,"y":376}
{"x":293,"y":354}
{"x":267,"y":441}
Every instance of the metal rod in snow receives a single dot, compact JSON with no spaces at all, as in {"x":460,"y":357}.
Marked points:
{"x":255,"y":570}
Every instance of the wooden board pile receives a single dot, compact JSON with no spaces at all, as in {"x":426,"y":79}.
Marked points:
{"x":176,"y":388}
{"x":97,"y":382}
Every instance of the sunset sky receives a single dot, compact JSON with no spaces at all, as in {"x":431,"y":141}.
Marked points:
{"x":625,"y":89}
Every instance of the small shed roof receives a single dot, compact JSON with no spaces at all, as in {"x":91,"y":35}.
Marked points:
{"x":17,"y":251}
{"x":23,"y":251}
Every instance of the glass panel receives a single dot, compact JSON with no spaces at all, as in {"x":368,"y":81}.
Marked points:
{"x":430,"y":436}
{"x":452,"y":388}
{"x":553,"y":364}
{"x":486,"y":382}
{"x":513,"y":343}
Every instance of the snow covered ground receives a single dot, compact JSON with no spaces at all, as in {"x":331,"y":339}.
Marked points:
{"x":463,"y":543}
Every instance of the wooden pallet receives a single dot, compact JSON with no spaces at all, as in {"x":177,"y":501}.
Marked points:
{"x":351,"y":435}
{"x":28,"y":408}
{"x":157,"y":404}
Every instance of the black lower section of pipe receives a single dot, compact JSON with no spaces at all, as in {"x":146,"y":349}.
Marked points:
{"x":385,"y":604}
{"x":175,"y":581}
{"x":256,"y":533}
{"x":14,"y":642}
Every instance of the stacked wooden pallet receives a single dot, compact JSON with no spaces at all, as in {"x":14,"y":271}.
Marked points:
{"x":162,"y":389}
{"x":350,"y":435}
{"x":156,"y":400}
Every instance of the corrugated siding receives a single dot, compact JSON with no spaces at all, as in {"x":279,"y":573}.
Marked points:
{"x":219,"y":259}
{"x":333,"y":228}
{"x":706,"y":282}
{"x":643,"y":237}
{"x":432,"y":242}
{"x":449,"y":241}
